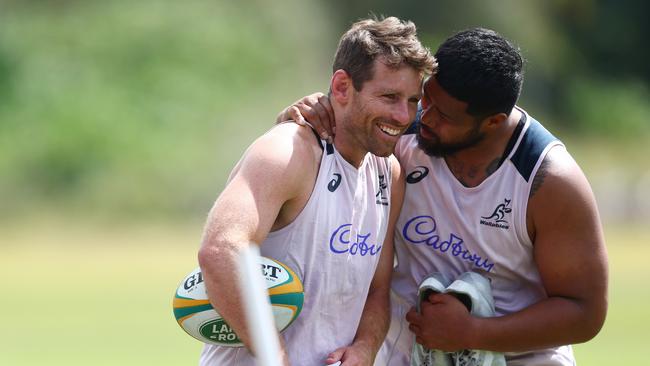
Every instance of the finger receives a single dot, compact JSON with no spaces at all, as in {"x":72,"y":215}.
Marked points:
{"x":309,"y":101}
{"x":323,"y":117}
{"x":320,"y":109}
{"x":307,"y":111}
{"x":322,"y":132}
{"x":313,"y":99}
{"x":335,"y":356}
{"x":283,"y":116}
{"x":295,"y":114}
{"x":414,"y":320}
{"x":413,"y":317}
{"x":437,"y":298}
{"x":428,"y":303}
{"x":428,"y":308}
{"x":324,"y":101}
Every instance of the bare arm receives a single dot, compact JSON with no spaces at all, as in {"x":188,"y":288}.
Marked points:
{"x":376,"y":312}
{"x":314,"y":109}
{"x":267,"y":180}
{"x":570,"y":254}
{"x":571,"y":258}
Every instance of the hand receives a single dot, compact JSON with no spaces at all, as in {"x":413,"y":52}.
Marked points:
{"x":314,"y":109}
{"x":354,"y":355}
{"x":444,"y":323}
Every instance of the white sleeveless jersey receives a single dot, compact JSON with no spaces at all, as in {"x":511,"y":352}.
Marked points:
{"x":333,"y":246}
{"x":449,"y":228}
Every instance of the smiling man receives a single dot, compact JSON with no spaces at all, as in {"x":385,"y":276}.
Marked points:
{"x":325,"y":209}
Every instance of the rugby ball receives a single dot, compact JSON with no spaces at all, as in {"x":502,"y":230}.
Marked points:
{"x":198,"y":318}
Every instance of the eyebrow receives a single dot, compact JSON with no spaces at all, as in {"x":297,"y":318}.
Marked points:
{"x":394,"y":91}
{"x":388,"y":91}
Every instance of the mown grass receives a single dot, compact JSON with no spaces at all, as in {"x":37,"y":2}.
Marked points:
{"x":623,"y":339}
{"x":101,"y":295}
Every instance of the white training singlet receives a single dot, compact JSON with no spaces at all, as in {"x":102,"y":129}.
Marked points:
{"x":333,"y":246}
{"x":449,"y":228}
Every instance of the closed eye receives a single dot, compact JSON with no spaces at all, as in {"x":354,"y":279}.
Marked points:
{"x":390,"y":96}
{"x":442,"y":115}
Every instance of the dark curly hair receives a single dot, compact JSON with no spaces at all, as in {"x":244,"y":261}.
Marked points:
{"x":480,"y":67}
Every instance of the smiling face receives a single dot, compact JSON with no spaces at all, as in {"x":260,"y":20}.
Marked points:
{"x":446,"y":127}
{"x":373,"y":118}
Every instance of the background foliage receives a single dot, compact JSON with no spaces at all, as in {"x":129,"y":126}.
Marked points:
{"x":120,"y":121}
{"x":141,"y":108}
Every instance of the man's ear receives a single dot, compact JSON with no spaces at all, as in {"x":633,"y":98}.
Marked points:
{"x":495,"y":120}
{"x":341,"y":86}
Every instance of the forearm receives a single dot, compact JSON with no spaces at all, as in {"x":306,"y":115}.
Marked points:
{"x":551,"y":322}
{"x":374,"y":321}
{"x":220,"y":271}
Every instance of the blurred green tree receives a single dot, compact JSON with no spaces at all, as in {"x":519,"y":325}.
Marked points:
{"x":124,"y":106}
{"x":578,"y":51}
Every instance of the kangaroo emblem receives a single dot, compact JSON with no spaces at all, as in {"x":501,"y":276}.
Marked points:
{"x":500,"y":212}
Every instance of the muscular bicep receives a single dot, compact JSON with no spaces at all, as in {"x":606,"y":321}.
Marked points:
{"x":244,"y":211}
{"x":262,"y":183}
{"x":568,"y":239}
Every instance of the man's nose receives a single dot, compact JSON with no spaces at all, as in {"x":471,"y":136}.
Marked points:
{"x":402,"y":114}
{"x":429,"y":117}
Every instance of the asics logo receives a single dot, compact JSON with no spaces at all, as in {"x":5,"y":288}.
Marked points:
{"x":334,"y":183}
{"x":417,"y":175}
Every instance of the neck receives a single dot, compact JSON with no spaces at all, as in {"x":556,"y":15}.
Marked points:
{"x":345,"y":141}
{"x":349,"y":149}
{"x":473,"y":165}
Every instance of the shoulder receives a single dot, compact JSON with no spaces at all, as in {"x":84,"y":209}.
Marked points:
{"x":285,"y":145}
{"x":284,"y":154}
{"x":557,"y":170}
{"x":560,"y":192}
{"x":287,"y":140}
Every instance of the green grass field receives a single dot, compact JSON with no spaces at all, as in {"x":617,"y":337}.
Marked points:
{"x":101,"y":295}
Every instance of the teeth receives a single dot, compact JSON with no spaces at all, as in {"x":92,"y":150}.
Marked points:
{"x":388,"y":130}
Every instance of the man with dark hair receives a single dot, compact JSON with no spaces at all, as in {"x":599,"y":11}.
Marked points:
{"x":324,"y":209}
{"x":490,"y":193}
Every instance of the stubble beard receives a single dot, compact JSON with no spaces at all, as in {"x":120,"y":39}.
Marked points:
{"x":361,"y":128}
{"x":434,"y":147}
